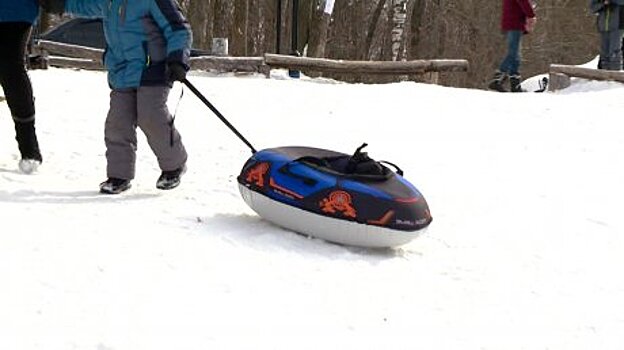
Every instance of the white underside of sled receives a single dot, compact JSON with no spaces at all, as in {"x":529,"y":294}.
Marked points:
{"x":324,"y":227}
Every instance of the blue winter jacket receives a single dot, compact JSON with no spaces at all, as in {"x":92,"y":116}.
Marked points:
{"x":142,"y":36}
{"x":19,"y":10}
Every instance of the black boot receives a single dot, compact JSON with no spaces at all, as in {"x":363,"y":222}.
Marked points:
{"x":498,"y":81}
{"x":170,"y":179}
{"x":514,"y":83}
{"x":114,"y":185}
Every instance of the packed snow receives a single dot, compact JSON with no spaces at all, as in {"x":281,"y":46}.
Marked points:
{"x":525,"y":250}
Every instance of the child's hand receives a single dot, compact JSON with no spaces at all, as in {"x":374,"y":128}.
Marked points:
{"x":176,"y":71}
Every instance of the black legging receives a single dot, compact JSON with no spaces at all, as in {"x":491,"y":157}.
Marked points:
{"x":13,"y":78}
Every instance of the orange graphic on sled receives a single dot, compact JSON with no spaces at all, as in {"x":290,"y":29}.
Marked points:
{"x":256,"y":174}
{"x":383,"y":221}
{"x":338,"y":201}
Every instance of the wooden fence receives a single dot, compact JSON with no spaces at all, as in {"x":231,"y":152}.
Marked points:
{"x":80,"y":57}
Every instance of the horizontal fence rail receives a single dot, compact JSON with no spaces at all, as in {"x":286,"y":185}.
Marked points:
{"x":560,"y":75}
{"x":80,"y":57}
{"x":365,"y":67}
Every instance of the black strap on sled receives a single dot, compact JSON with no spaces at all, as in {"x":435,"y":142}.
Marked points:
{"x":360,"y":164}
{"x":359,"y":167}
{"x":396,"y":167}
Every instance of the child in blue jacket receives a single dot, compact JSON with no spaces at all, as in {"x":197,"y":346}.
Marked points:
{"x":16,"y":20}
{"x":148,"y":48}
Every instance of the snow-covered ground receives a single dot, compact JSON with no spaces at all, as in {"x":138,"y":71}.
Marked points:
{"x":525,"y":250}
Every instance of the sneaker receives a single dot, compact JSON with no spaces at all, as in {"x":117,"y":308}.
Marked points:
{"x":498,"y":81}
{"x":170,"y":179}
{"x":114,"y":185}
{"x":29,"y":166}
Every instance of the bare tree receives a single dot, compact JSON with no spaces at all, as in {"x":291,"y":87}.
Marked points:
{"x":322,"y":27}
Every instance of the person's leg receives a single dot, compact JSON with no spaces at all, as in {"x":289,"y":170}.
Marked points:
{"x":612,"y":46}
{"x":603,"y":60}
{"x":163,"y":138}
{"x":620,"y":56}
{"x":155,"y":121}
{"x":621,"y":45}
{"x":511,"y":64}
{"x":17,"y":87}
{"x":120,"y":135}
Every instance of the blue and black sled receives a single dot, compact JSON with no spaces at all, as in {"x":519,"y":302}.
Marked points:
{"x":342,"y":198}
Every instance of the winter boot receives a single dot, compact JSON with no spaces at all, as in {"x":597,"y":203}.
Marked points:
{"x":114,"y":185}
{"x":498,"y":81}
{"x":514,"y":83}
{"x":26,"y":138}
{"x":170,"y":179}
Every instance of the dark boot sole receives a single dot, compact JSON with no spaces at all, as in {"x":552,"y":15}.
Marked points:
{"x":117,"y":190}
{"x":168,"y":186}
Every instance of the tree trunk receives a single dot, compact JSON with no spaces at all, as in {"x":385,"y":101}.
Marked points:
{"x":322,"y":28}
{"x":416,"y":21}
{"x":240,"y":35}
{"x":372,"y":29}
{"x":399,"y":17}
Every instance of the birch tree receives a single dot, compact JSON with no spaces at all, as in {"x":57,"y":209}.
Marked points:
{"x":399,"y":19}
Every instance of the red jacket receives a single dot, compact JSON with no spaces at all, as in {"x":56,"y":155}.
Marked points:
{"x":515,"y":13}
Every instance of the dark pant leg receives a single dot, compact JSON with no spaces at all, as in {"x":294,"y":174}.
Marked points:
{"x":511,"y":63}
{"x":13,"y":76}
{"x":155,"y":121}
{"x":17,"y":87}
{"x":120,"y":134}
{"x":611,"y":50}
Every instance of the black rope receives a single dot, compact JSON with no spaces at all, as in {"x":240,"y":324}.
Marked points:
{"x":218,"y":114}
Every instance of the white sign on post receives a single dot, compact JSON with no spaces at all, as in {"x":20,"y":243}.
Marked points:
{"x":329,"y":6}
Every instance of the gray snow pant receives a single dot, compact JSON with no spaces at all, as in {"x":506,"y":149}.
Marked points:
{"x":145,"y":107}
